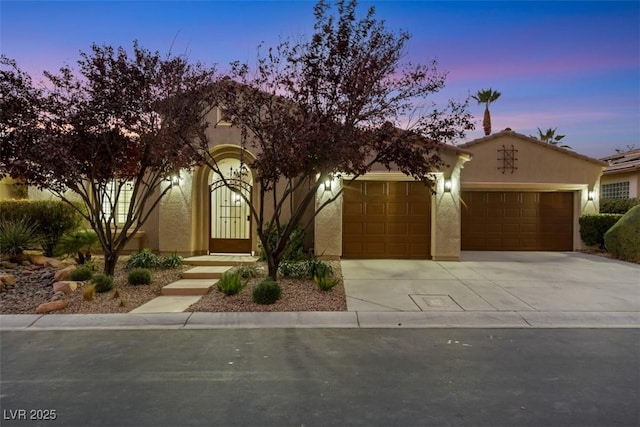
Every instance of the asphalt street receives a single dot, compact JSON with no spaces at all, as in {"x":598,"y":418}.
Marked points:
{"x":321,"y":377}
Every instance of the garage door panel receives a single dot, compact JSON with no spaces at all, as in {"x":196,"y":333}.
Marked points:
{"x":517,"y":221}
{"x":394,"y":220}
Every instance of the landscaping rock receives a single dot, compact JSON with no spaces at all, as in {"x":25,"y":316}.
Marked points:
{"x":66,"y":286}
{"x":7,"y":279}
{"x":48,"y":307}
{"x":57,"y":296}
{"x":64,"y":274}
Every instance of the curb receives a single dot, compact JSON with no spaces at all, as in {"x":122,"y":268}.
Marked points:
{"x":341,"y":319}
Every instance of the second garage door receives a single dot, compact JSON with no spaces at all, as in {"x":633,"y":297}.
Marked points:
{"x":511,"y":221}
{"x":386,"y":220}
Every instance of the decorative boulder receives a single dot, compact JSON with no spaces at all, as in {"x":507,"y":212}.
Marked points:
{"x":64,"y":274}
{"x":623,"y":239}
{"x":48,"y":307}
{"x":65,"y":286}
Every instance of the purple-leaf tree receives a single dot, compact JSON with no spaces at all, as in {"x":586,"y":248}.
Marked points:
{"x":337,"y":104}
{"x":109,"y":132}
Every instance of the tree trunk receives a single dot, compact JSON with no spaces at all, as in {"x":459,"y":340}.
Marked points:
{"x":110,"y":261}
{"x":486,"y":121}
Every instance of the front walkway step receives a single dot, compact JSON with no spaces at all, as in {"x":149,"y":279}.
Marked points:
{"x":220,"y":260}
{"x":189,"y":287}
{"x":167,"y":304}
{"x":214,"y":272}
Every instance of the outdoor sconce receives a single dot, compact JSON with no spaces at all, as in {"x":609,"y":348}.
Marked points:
{"x":591,"y":194}
{"x":327,"y":184}
{"x":447,"y":185}
{"x":175,"y":179}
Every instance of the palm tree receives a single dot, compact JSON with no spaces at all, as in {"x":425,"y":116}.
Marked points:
{"x":549,"y":136}
{"x":486,"y":96}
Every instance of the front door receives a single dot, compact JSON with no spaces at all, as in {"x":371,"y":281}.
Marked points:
{"x":230,"y":216}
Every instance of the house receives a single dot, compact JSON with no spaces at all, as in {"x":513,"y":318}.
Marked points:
{"x":621,"y":179}
{"x":506,"y":191}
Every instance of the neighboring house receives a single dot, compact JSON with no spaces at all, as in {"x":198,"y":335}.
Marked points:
{"x":506,"y":191}
{"x":621,"y":179}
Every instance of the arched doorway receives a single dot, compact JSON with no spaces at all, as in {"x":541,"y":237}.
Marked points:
{"x":230,"y":221}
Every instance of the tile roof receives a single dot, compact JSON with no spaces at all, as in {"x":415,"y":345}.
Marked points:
{"x":628,"y":161}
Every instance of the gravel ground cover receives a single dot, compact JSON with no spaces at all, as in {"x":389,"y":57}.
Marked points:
{"x":296,"y":295}
{"x":34,"y":286}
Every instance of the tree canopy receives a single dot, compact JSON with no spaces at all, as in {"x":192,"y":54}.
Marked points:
{"x":334,"y":105}
{"x":112,"y":126}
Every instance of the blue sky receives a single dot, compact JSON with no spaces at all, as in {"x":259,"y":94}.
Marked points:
{"x":571,"y":65}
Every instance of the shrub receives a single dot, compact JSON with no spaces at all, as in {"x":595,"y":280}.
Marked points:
{"x":325,"y":283}
{"x":617,"y":206}
{"x":143,"y":259}
{"x":78,"y":243}
{"x":623,"y":239}
{"x":304,"y":269}
{"x":89,"y":292}
{"x":171,"y":261}
{"x":267,"y":292}
{"x":51,"y":218}
{"x":247,"y":271}
{"x":231,"y":283}
{"x":81,"y":274}
{"x":593,"y":227}
{"x":17,"y":236}
{"x":103,"y":283}
{"x":139,"y":276}
{"x":295,"y":246}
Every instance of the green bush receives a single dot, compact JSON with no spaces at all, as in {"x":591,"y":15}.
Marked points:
{"x":295,"y":246}
{"x":51,"y":218}
{"x":17,"y":236}
{"x":617,"y":206}
{"x":171,"y":261}
{"x":325,"y":283}
{"x":79,"y":243}
{"x":623,"y":239}
{"x":593,"y":227}
{"x":81,"y":274}
{"x":139,"y":276}
{"x":102,"y":283}
{"x":231,"y":283}
{"x":247,"y":271}
{"x":304,"y":269}
{"x":143,"y":259}
{"x":267,"y":292}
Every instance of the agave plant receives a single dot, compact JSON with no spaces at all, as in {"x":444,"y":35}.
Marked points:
{"x":18,"y":236}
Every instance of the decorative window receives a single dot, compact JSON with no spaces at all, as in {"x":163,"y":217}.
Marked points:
{"x":120,"y":202}
{"x":616,"y":190}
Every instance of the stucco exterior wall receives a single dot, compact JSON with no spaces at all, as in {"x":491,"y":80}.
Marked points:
{"x":632,"y":177}
{"x":174,"y":218}
{"x":539,"y":167}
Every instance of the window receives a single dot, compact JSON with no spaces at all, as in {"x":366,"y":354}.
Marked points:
{"x":123,"y":200}
{"x":616,"y":190}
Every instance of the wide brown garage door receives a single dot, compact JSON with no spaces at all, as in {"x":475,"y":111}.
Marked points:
{"x":512,"y":221}
{"x":386,"y":220}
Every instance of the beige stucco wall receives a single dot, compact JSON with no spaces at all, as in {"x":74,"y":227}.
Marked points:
{"x":445,"y":211}
{"x":632,"y":177}
{"x":540,"y":167}
{"x":9,"y":190}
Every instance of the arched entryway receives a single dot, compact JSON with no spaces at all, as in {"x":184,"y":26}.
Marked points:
{"x":230,"y":215}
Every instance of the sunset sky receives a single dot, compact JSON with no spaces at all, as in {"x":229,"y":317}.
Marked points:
{"x":571,"y":65}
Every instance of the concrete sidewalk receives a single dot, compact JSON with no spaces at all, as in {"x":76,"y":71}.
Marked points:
{"x":483,"y":290}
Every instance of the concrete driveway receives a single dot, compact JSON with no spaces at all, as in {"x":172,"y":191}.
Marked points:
{"x":494,"y":281}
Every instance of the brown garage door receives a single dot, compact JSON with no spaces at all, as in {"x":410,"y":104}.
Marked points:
{"x":386,"y":220}
{"x":511,"y":221}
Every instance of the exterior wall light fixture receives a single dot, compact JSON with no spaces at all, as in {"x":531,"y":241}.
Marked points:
{"x":327,"y":184}
{"x":591,"y":194}
{"x":448,"y":185}
{"x":175,"y":179}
